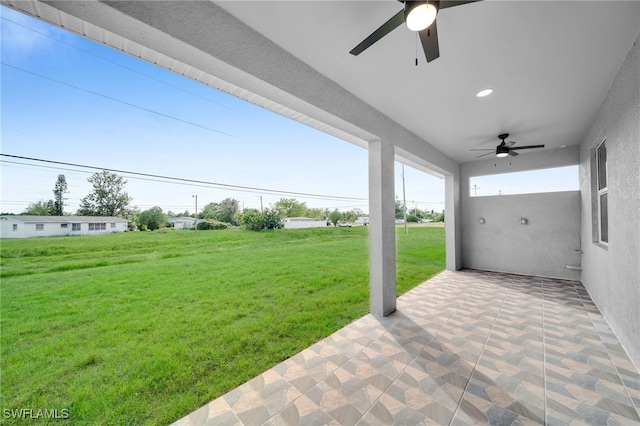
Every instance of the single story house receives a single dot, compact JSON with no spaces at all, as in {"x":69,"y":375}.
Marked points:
{"x":182,"y":222}
{"x":303,"y":222}
{"x":54,"y":226}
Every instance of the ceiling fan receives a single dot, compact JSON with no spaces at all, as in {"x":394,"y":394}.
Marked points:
{"x":420,"y":16}
{"x":506,"y":148}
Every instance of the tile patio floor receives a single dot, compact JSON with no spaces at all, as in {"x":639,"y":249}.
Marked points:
{"x":465,"y":347}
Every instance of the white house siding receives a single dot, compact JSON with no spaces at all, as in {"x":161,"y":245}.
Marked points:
{"x":182,"y":222}
{"x":303,"y":222}
{"x":55,"y":226}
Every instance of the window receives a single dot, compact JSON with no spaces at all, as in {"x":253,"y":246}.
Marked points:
{"x":113,"y":225}
{"x":601,"y":173}
{"x":75,"y":226}
{"x":39,"y":226}
{"x":98,"y":226}
{"x":14,"y":227}
{"x":64,"y":225}
{"x":555,"y":179}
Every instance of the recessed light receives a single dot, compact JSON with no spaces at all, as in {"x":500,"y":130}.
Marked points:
{"x":563,"y":146}
{"x":484,"y":92}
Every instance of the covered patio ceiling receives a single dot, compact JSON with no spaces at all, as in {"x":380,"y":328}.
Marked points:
{"x":550,"y":64}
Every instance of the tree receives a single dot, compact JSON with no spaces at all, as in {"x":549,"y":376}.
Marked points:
{"x":228,"y":209}
{"x":252,"y":219}
{"x":290,"y":207}
{"x":256,"y":220}
{"x":317,"y":213}
{"x":108,"y":197}
{"x":399,"y":210}
{"x":350,"y":215}
{"x":132,"y":214}
{"x":272,"y":219}
{"x":209,"y":211}
{"x":39,"y":208}
{"x":59,"y":190}
{"x":224,"y":211}
{"x":412,"y":218}
{"x":335,"y":217}
{"x":152,"y":219}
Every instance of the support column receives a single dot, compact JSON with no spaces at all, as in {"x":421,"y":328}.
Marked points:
{"x":452,"y":221}
{"x":382,"y":229}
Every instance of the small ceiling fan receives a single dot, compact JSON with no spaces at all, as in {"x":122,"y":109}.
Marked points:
{"x":420,"y":16}
{"x":506,"y":148}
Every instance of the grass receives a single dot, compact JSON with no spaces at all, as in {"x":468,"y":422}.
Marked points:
{"x":143,"y":328}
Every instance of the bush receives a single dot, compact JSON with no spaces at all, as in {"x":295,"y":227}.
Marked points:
{"x":413,"y":218}
{"x":252,"y":219}
{"x":256,"y":220}
{"x":273,"y":219}
{"x":207,"y":224}
{"x":152,"y":219}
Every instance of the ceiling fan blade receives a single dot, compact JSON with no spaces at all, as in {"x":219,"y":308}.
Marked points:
{"x":429,"y":39}
{"x":513,"y":153}
{"x":529,"y":147}
{"x":444,"y":3}
{"x":510,"y":143}
{"x":386,"y":28}
{"x":488,"y":153}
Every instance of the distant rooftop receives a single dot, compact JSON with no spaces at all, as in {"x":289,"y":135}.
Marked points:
{"x":63,"y":219}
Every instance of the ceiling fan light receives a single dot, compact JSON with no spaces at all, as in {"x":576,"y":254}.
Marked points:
{"x":419,"y":15}
{"x":502,"y":151}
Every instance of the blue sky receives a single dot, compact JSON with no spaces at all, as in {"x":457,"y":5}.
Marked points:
{"x":68,"y":99}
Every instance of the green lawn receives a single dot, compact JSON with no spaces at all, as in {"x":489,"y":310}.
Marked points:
{"x":143,"y":328}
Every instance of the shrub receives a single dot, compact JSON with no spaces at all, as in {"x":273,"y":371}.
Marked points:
{"x":256,"y":220}
{"x":152,"y":219}
{"x":207,"y":224}
{"x":413,"y":218}
{"x":273,"y":219}
{"x":252,"y":219}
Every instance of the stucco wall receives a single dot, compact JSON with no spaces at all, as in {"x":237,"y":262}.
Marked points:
{"x":551,"y":238}
{"x":612,"y":274}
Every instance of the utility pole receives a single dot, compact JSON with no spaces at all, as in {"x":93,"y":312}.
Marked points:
{"x":260,"y":203}
{"x":404,"y":202}
{"x":195,"y":224}
{"x":475,"y":190}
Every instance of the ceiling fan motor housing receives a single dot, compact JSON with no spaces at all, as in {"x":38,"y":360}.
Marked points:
{"x":502,"y":150}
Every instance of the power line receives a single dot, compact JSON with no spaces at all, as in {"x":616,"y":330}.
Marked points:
{"x":119,"y":65}
{"x":118,"y":100}
{"x":193,"y":182}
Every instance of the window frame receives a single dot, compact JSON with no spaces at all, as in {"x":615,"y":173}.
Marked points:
{"x":76,"y":227}
{"x":39,"y":227}
{"x":97,"y":226}
{"x":602,"y":189}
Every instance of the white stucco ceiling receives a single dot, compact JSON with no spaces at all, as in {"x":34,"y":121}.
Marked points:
{"x":550,"y":64}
